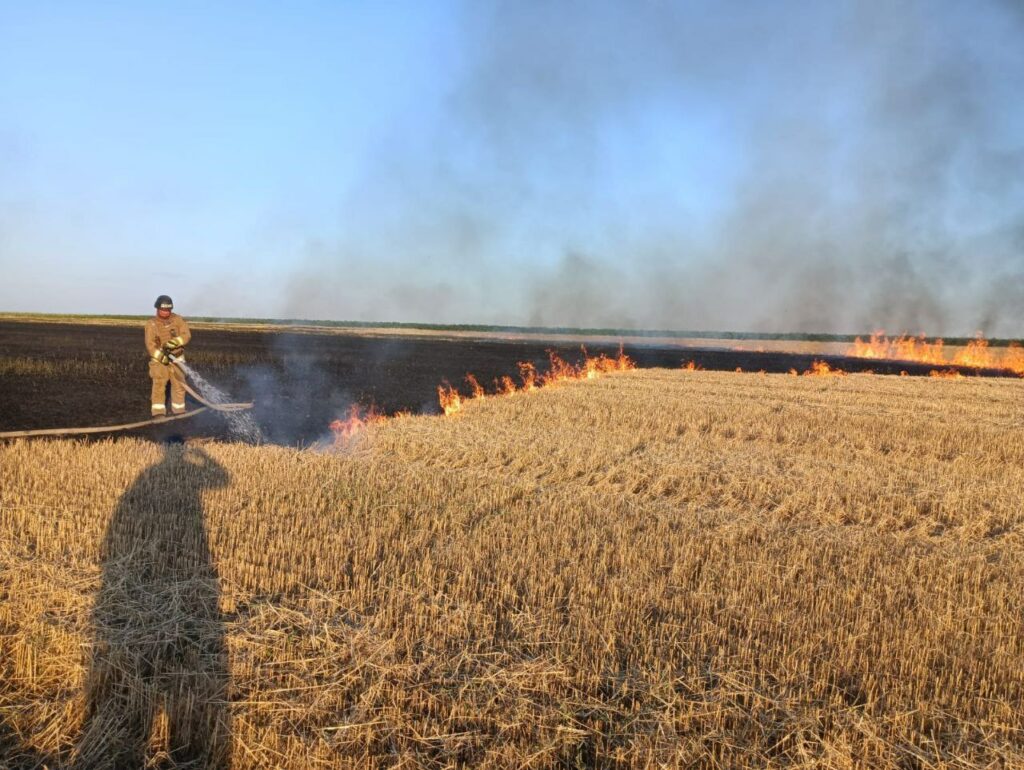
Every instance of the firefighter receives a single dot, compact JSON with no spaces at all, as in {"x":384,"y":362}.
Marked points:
{"x":166,"y":336}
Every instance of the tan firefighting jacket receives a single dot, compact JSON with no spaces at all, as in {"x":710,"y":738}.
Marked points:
{"x":160,"y":330}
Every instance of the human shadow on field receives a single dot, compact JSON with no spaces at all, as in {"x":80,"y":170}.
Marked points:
{"x":158,"y":679}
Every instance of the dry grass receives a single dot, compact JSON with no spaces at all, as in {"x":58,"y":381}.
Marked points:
{"x":28,"y":366}
{"x":99,"y":366}
{"x":651,"y":569}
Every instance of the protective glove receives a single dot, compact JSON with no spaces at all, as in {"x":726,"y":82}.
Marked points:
{"x":161,"y":357}
{"x":173,"y":347}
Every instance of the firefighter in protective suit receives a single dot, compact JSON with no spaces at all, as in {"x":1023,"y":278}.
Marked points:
{"x":166,"y":336}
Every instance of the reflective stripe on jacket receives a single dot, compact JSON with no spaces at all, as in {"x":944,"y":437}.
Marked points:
{"x":160,"y":330}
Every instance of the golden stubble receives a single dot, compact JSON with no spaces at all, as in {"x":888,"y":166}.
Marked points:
{"x":656,"y":568}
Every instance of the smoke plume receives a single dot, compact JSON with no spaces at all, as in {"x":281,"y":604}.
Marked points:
{"x":703,"y":165}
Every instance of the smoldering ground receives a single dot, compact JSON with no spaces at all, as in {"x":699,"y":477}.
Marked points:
{"x":768,"y":166}
{"x":299,"y":384}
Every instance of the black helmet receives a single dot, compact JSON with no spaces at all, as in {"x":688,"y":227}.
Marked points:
{"x":163,"y":302}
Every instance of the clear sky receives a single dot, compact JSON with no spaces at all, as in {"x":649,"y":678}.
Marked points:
{"x":732,"y":165}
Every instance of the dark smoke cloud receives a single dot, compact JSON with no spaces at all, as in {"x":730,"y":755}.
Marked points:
{"x":873,"y":179}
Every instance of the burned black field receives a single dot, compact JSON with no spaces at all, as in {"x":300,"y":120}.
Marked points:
{"x":55,"y":375}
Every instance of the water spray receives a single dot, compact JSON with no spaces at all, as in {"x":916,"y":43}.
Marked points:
{"x":240,"y":424}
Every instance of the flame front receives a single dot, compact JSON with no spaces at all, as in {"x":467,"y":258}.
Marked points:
{"x":822,"y":369}
{"x":344,"y":430}
{"x":559,"y":371}
{"x":902,"y":348}
{"x":977,"y":354}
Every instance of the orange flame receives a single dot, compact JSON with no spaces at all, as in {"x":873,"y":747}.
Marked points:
{"x":946,"y":374}
{"x":1013,"y":359}
{"x":559,"y":371}
{"x":977,"y":354}
{"x":692,"y":366}
{"x":621,"y":363}
{"x":822,"y":369}
{"x":344,"y":430}
{"x":504,"y":387}
{"x":902,"y":348}
{"x":528,"y":374}
{"x":451,"y":401}
{"x":476,"y":388}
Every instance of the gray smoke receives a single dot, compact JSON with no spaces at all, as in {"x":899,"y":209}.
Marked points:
{"x":873,"y":178}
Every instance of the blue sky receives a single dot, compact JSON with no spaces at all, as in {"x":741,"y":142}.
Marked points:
{"x":788,"y":165}
{"x":160,"y":144}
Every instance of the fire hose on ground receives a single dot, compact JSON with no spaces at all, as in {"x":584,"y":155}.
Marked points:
{"x":239,"y":407}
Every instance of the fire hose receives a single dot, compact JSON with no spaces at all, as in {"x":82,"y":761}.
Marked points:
{"x":138,"y":424}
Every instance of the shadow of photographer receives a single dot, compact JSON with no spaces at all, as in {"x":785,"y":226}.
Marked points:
{"x":158,"y":679}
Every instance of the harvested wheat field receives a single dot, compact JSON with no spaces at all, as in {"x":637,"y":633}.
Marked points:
{"x":652,"y":569}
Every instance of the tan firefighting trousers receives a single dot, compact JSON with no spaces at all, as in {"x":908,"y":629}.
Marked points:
{"x":161,"y":374}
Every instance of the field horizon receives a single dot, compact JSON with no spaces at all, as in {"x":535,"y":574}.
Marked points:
{"x":505,"y":331}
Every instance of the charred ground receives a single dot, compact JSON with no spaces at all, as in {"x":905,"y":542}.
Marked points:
{"x":55,"y":375}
